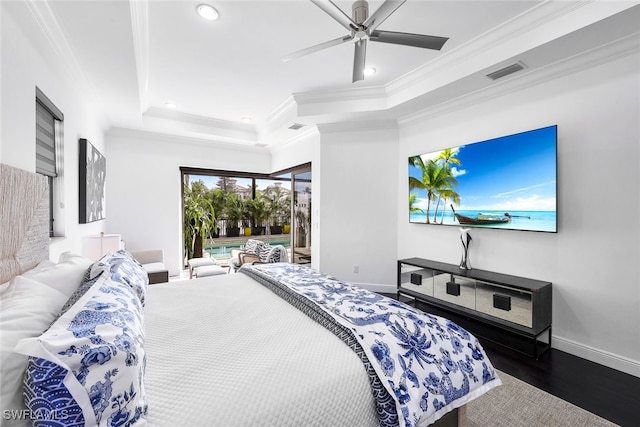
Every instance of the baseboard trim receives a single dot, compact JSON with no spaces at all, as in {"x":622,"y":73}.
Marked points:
{"x":377,"y":287}
{"x":614,"y":361}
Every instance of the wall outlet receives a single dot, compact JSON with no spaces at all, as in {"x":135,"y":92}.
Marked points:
{"x":356,"y":268}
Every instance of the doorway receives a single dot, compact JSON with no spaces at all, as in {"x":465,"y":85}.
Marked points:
{"x":301,"y":214}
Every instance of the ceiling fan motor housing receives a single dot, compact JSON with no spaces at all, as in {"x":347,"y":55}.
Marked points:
{"x":360,"y":11}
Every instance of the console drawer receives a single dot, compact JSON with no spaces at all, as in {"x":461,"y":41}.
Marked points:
{"x":417,"y":279}
{"x":505,"y":303}
{"x":454,"y":289}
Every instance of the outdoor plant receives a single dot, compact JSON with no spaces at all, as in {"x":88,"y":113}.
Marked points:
{"x":199,"y":218}
{"x":279,"y":206}
{"x":218,"y":199}
{"x":259,"y":211}
{"x":234,"y":211}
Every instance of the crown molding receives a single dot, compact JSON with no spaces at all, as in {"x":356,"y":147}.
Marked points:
{"x":298,"y":137}
{"x":531,"y":29}
{"x":358,"y":126}
{"x":341,"y":101}
{"x":276,"y":124}
{"x":541,"y":24}
{"x":59,"y":41}
{"x":181,"y":139}
{"x":140,"y":28}
{"x":281,"y":110}
{"x":203,"y":127}
{"x":611,"y":51}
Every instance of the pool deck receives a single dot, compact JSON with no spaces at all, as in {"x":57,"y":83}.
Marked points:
{"x":302,"y":254}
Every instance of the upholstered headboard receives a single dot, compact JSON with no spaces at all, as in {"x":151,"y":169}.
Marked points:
{"x":24,"y":221}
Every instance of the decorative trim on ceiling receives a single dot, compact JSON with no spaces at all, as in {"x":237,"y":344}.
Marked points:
{"x":181,"y":139}
{"x":542,"y":23}
{"x":610,"y":52}
{"x":341,"y":101}
{"x":140,"y":28}
{"x":483,"y":49}
{"x":358,"y":126}
{"x":204,"y":127}
{"x":59,"y":41}
{"x":293,"y":139}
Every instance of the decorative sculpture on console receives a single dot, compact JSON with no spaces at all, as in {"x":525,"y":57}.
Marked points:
{"x":466,"y":239}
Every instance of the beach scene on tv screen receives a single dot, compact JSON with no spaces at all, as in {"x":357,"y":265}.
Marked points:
{"x":507,"y":182}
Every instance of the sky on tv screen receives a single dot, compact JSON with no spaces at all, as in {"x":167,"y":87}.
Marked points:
{"x":514,"y":174}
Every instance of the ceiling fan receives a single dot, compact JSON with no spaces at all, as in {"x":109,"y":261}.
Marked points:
{"x":363,"y":27}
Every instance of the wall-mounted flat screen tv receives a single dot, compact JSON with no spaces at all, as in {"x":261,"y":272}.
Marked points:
{"x":507,"y":182}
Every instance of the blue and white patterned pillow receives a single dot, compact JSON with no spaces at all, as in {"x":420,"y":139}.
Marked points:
{"x":85,"y":285}
{"x":91,"y":358}
{"x":122,"y":267}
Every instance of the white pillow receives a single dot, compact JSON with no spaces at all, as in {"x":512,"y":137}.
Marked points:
{"x":7,"y":288}
{"x":65,"y":276}
{"x":26,"y":314}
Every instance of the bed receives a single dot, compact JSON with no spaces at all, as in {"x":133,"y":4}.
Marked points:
{"x":89,"y":343}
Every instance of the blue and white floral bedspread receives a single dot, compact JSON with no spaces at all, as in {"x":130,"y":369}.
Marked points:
{"x":428,"y":365}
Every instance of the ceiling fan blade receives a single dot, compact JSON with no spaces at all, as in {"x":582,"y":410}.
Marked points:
{"x":383,"y":12}
{"x":316,"y":48}
{"x":408,"y":39}
{"x":359,"y":60}
{"x":336,"y":13}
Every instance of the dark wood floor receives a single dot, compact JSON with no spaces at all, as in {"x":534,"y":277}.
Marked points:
{"x":606,"y":392}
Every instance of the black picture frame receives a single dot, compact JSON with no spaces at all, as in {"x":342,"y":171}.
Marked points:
{"x":93,"y":171}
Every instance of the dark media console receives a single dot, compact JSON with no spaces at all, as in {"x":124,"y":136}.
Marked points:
{"x":510,"y":310}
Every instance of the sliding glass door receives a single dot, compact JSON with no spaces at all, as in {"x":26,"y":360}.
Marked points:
{"x":223,"y":209}
{"x":301,"y":214}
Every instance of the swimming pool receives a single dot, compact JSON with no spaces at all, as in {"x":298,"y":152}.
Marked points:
{"x":223,"y":250}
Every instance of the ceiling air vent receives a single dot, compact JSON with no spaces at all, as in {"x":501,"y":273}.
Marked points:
{"x":296,"y":126}
{"x":509,"y":69}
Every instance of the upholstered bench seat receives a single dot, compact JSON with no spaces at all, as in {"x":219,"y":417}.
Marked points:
{"x":208,"y":270}
{"x":195,"y":263}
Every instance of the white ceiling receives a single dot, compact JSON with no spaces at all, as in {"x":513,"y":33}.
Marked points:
{"x":134,"y":56}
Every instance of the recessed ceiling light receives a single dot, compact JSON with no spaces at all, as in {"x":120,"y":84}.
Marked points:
{"x":246,"y":119}
{"x":369,"y":71}
{"x":208,"y":12}
{"x":170,"y":105}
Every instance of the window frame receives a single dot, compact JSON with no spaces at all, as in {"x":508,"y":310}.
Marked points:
{"x":42,"y":102}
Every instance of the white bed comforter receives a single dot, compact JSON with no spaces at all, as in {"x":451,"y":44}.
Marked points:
{"x":226,"y":351}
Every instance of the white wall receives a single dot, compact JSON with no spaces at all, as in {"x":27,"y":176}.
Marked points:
{"x":28,"y":60}
{"x":593,"y":259}
{"x":358,"y":216}
{"x":144,"y":185}
{"x":353,"y":173}
{"x":304,"y":149}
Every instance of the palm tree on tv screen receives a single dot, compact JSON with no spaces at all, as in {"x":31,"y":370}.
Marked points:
{"x":447,"y":194}
{"x":448,"y":157}
{"x":413,"y":198}
{"x":435,"y":177}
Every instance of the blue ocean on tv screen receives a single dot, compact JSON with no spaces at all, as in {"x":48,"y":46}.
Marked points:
{"x":511,"y":177}
{"x":521,"y":220}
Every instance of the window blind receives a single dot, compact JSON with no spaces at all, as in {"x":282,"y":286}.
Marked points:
{"x":47,"y":114}
{"x":45,"y":141}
